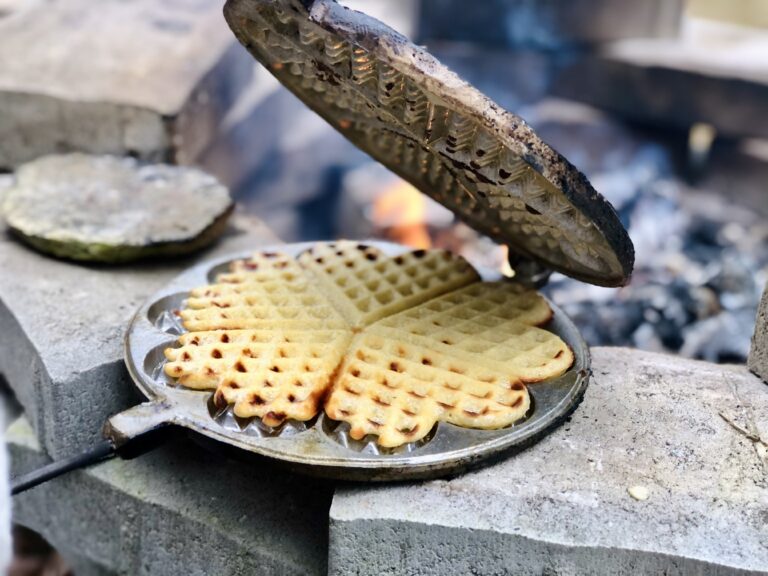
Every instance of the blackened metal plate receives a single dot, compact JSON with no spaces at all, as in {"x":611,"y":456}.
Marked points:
{"x":322,"y":447}
{"x":400,"y":105}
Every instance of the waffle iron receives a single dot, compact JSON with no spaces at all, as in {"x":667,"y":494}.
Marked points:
{"x":401,"y":106}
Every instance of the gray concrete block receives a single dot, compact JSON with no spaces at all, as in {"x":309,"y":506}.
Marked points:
{"x":550,"y":24}
{"x":62,"y":327}
{"x":147,"y":78}
{"x":177,"y":511}
{"x":5,"y":500}
{"x":563,"y":506}
{"x":715,"y":73}
{"x":758,"y":354}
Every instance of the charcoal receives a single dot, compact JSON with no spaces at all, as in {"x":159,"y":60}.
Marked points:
{"x":696,"y":287}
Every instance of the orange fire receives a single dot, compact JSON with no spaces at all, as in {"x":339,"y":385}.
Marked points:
{"x":401,"y":212}
{"x":505,"y":268}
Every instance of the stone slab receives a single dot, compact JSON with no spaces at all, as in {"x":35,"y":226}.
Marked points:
{"x":758,"y":354}
{"x":563,"y":506}
{"x":62,"y":327}
{"x":178,"y":510}
{"x":153,"y":79}
{"x":549,"y":24}
{"x":678,"y":82}
{"x":5,"y":500}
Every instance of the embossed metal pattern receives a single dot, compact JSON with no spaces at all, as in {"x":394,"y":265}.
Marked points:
{"x":323,"y":446}
{"x":400,"y":105}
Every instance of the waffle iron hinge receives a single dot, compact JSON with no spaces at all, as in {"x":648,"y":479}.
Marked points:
{"x":528,"y":272}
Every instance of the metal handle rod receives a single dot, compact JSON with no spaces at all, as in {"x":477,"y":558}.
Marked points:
{"x":102,"y":451}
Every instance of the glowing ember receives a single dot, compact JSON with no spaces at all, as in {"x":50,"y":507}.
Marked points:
{"x":401,"y":212}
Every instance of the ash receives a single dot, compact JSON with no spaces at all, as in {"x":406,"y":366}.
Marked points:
{"x":701,"y":260}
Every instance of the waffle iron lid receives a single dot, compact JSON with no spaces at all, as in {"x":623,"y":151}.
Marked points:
{"x":400,"y":105}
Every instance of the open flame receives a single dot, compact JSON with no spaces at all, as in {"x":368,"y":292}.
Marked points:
{"x":400,"y":212}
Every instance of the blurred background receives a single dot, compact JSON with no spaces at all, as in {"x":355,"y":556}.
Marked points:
{"x":663,"y":104}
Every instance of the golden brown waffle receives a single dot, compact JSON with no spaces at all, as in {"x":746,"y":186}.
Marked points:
{"x":365,"y":285}
{"x":274,"y":375}
{"x":491,"y":324}
{"x":263,"y":338}
{"x":460,"y":358}
{"x":273,"y":334}
{"x":398,"y":391}
{"x":266,"y":292}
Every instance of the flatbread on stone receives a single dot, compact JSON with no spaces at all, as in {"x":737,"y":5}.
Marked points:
{"x":112,"y":209}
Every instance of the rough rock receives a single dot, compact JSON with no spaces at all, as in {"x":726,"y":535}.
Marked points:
{"x":695,"y":435}
{"x":112,"y":209}
{"x":176,"y":511}
{"x":758,"y":355}
{"x":62,"y":327}
{"x":153,"y":79}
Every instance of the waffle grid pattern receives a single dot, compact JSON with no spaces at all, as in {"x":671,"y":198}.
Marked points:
{"x":390,"y":345}
{"x":366,"y":286}
{"x":399,"y":391}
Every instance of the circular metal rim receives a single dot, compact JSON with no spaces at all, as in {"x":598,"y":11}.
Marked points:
{"x":187,"y":408}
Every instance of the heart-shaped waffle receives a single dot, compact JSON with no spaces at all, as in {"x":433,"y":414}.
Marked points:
{"x":461,"y":358}
{"x":366,"y":285}
{"x":272,"y":374}
{"x":274,"y":336}
{"x":398,"y":391}
{"x":263,"y":338}
{"x":266,"y":292}
{"x":492,"y":324}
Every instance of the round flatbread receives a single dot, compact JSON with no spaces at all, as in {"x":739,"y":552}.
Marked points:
{"x":112,"y":209}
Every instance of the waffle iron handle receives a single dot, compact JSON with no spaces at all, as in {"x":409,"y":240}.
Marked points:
{"x":104,"y":450}
{"x":127,"y":434}
{"x":138,"y":422}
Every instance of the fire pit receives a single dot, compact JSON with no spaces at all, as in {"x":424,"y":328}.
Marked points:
{"x":487,"y":166}
{"x":628,"y":474}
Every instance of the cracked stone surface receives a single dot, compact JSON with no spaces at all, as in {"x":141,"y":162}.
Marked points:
{"x":758,"y":355}
{"x":694,"y":435}
{"x":176,"y":511}
{"x":149,"y":78}
{"x":62,"y":328}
